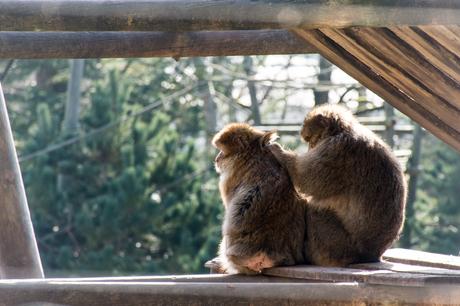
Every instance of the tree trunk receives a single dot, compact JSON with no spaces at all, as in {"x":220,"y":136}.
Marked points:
{"x":72,"y":110}
{"x":322,"y":96}
{"x":210,"y":106}
{"x":389,"y":124}
{"x":413,"y":170}
{"x":248,"y":68}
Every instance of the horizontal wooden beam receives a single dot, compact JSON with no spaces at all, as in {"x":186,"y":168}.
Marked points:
{"x":198,"y":15}
{"x":414,"y":257}
{"x":64,"y":292}
{"x":420,"y":278}
{"x":33,"y":45}
{"x":190,"y":278}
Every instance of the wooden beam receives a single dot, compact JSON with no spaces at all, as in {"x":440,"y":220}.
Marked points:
{"x":198,"y":15}
{"x":439,"y":54}
{"x":208,"y":293}
{"x":400,"y":70}
{"x":191,"y":278}
{"x":19,"y":256}
{"x":149,"y":44}
{"x":366,"y":67}
{"x":378,"y":277}
{"x":414,"y":257}
{"x":405,"y":268}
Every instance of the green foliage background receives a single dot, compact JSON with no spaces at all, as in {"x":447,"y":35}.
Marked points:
{"x":140,"y":196}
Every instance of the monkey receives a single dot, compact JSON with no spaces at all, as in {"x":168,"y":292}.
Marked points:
{"x":355,"y":188}
{"x":264,"y":219}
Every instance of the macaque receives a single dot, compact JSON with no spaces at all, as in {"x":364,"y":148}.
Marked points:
{"x":264,"y":222}
{"x":355,"y":188}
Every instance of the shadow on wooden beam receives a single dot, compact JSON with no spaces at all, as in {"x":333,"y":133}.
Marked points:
{"x":149,"y":44}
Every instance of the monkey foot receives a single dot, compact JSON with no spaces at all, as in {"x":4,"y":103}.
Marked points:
{"x":259,"y":262}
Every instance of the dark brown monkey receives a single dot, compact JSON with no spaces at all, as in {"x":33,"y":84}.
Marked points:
{"x":355,"y":185}
{"x":264,"y":223}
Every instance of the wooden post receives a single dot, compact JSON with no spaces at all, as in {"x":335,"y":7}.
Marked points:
{"x":19,"y":256}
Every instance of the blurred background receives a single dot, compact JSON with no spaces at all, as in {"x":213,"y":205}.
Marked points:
{"x":118,"y":166}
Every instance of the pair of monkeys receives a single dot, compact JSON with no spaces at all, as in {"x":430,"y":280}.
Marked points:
{"x":341,"y":202}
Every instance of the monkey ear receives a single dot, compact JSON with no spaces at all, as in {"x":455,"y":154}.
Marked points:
{"x":228,"y":141}
{"x":267,"y":138}
{"x":316,"y":124}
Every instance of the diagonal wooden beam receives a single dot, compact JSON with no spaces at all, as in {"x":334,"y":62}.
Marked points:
{"x":402,"y":69}
{"x":149,"y":44}
{"x":439,"y":54}
{"x":19,"y":256}
{"x":431,"y":111}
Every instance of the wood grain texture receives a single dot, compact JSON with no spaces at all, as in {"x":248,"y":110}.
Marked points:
{"x":183,"y":15}
{"x":449,"y":37}
{"x":19,"y":256}
{"x":404,"y":77}
{"x":194,"y":278}
{"x":405,"y":268}
{"x":33,"y":45}
{"x":437,"y":53}
{"x":410,"y":65}
{"x":380,"y":277}
{"x":370,"y":48}
{"x":208,"y":293}
{"x":414,"y":257}
{"x":383,"y":273}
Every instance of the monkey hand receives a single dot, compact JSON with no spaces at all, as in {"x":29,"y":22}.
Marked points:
{"x":283,"y":156}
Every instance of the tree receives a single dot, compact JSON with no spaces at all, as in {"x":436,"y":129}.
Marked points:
{"x":436,"y":209}
{"x":324,"y":75}
{"x":135,"y":201}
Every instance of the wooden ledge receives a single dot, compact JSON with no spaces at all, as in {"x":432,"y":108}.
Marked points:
{"x":424,"y":269}
{"x":376,"y":283}
{"x":207,"y":293}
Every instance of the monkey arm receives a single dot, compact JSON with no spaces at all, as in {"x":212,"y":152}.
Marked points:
{"x":321,"y":172}
{"x":287,"y":158}
{"x":325,"y":170}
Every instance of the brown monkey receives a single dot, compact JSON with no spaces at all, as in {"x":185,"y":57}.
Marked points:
{"x":264,"y":223}
{"x":355,"y":186}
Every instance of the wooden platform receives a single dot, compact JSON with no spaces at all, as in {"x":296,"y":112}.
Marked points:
{"x":400,"y":267}
{"x":429,"y":279}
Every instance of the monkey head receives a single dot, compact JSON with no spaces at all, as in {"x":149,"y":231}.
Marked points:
{"x":325,"y":121}
{"x":237,"y":141}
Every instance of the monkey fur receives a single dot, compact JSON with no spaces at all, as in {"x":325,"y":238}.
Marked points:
{"x":355,"y":188}
{"x":264,"y":222}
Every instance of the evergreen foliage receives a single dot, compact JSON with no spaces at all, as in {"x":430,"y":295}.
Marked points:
{"x":134,"y":190}
{"x":437,"y":220}
{"x":134,"y":198}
